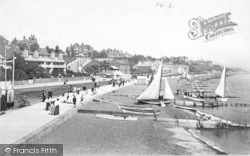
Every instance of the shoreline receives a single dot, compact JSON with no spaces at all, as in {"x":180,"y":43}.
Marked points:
{"x":214,"y":147}
{"x":190,"y":145}
{"x":191,"y":142}
{"x":193,"y":145}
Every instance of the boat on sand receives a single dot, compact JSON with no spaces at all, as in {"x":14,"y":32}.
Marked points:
{"x":151,"y":95}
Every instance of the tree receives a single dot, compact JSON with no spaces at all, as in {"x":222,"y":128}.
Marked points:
{"x":57,"y":50}
{"x":57,"y":71}
{"x":166,"y":59}
{"x":103,"y":54}
{"x":92,"y":69}
{"x":20,"y":62}
{"x":95,"y":54}
{"x":48,"y":49}
{"x":27,"y":70}
{"x":34,"y":46}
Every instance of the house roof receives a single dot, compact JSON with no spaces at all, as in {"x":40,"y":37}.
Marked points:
{"x":123,"y":62}
{"x":145,"y":63}
{"x":9,"y":53}
{"x":43,"y":51}
{"x":114,"y":67}
{"x":3,"y":41}
{"x":44,"y":60}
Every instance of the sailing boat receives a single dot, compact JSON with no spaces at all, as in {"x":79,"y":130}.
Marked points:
{"x":221,"y":88}
{"x":219,"y":91}
{"x":151,"y":94}
{"x":186,"y":75}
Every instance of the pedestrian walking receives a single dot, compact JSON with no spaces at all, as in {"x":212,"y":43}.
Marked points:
{"x":50,"y":93}
{"x":3,"y":103}
{"x":83,"y":88}
{"x":119,"y":84}
{"x":113,"y":83}
{"x":74,"y":101}
{"x":47,"y":102}
{"x":43,"y":95}
{"x":95,"y":85}
{"x":52,"y":108}
{"x":123,"y":82}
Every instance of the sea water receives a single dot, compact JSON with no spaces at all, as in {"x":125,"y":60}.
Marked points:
{"x":233,"y":141}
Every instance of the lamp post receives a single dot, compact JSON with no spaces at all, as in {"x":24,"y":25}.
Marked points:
{"x":13,"y":70}
{"x":99,"y":72}
{"x":5,"y":70}
{"x":13,"y":73}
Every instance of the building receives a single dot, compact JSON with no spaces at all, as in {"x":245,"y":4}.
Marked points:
{"x":145,"y":67}
{"x":48,"y":60}
{"x":30,"y":50}
{"x":79,"y":50}
{"x":113,"y":53}
{"x":9,"y":49}
{"x":123,"y":65}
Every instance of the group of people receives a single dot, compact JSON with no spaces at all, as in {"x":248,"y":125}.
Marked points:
{"x":73,"y":96}
{"x":47,"y":95}
{"x":119,"y":82}
{"x":196,"y":95}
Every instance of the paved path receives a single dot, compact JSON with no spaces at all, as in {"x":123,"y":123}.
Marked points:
{"x":18,"y":124}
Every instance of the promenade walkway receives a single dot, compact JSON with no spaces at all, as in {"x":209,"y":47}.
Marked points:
{"x":17,"y":125}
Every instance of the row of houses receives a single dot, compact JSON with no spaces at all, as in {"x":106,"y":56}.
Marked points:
{"x":79,"y":50}
{"x":78,"y":57}
{"x":51,"y":59}
{"x":30,"y":50}
{"x":114,"y":53}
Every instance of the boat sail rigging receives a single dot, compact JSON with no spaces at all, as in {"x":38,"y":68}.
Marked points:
{"x":221,"y":87}
{"x":151,"y":94}
{"x":168,"y":92}
{"x":219,"y":91}
{"x":186,"y":75}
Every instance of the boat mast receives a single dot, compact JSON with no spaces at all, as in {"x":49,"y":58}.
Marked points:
{"x":161,"y":63}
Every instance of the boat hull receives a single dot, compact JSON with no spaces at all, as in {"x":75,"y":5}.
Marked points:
{"x":105,"y":116}
{"x":141,"y":112}
{"x":197,"y":104}
{"x":156,"y":102}
{"x":194,"y":99}
{"x":135,"y":108}
{"x":222,"y":99}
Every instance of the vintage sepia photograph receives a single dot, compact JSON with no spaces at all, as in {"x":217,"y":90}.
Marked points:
{"x":124,"y":77}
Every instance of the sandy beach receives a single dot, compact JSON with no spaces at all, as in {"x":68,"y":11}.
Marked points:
{"x":88,"y":134}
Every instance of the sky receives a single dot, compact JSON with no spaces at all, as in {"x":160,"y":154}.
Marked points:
{"x":134,"y":26}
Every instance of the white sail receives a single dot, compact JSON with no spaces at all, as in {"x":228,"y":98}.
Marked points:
{"x":153,"y":90}
{"x":187,"y":75}
{"x":184,"y":74}
{"x":221,"y":88}
{"x":168,"y":92}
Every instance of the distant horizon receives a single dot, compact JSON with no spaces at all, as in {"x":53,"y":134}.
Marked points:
{"x":154,"y":28}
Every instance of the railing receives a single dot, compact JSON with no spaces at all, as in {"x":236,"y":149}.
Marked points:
{"x":46,"y":80}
